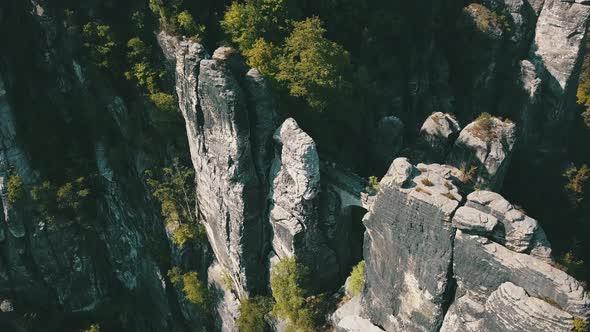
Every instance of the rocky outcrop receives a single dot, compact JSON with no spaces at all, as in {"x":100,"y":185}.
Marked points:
{"x":294,"y":213}
{"x":226,"y":112}
{"x":486,"y":146}
{"x":435,"y":261}
{"x":437,"y":135}
{"x":408,"y":248}
{"x":556,"y":53}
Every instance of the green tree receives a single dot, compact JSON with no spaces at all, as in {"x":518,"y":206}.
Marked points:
{"x":576,"y":181}
{"x":70,"y":201}
{"x":193,"y":289}
{"x":137,"y":50}
{"x":264,"y":56}
{"x":93,"y":328}
{"x":313,"y":67}
{"x":164,"y":102}
{"x":99,"y":43}
{"x":14,"y":188}
{"x":580,"y":324}
{"x":72,"y":195}
{"x":287,"y":278}
{"x":188,"y":26}
{"x":166,"y":11}
{"x":252,"y":312}
{"x":173,"y":188}
{"x":357,"y":278}
{"x":254,"y":19}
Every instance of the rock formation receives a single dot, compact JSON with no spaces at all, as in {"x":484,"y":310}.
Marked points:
{"x":437,"y":135}
{"x":439,"y":256}
{"x":436,"y":262}
{"x":485,"y":146}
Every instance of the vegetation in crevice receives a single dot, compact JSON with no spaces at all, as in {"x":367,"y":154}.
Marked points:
{"x":357,"y":278}
{"x":252,"y":314}
{"x":192,"y":287}
{"x":173,"y":188}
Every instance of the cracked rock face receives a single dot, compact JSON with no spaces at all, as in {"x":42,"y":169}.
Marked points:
{"x":408,"y":248}
{"x":228,"y":126}
{"x":438,"y":133}
{"x":294,"y":210}
{"x":488,"y":147}
{"x":435,"y":262}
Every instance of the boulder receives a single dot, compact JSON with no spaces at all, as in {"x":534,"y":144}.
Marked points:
{"x":486,"y":145}
{"x":438,"y":134}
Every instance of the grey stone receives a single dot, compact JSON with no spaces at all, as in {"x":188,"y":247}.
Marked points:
{"x":474,"y":221}
{"x":519,"y":232}
{"x":348,"y":318}
{"x":481,"y":266}
{"x":438,"y":133}
{"x":408,"y":251}
{"x":509,"y":308}
{"x":488,"y":149}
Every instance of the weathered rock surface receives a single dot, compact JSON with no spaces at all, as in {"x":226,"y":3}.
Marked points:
{"x":348,"y":318}
{"x":438,"y":134}
{"x":517,"y":231}
{"x":556,"y":54}
{"x":488,"y":146}
{"x":222,"y":106}
{"x":426,"y":249}
{"x":295,"y":202}
{"x":408,"y":248}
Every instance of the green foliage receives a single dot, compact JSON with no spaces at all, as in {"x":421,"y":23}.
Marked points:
{"x":70,"y":21}
{"x":99,"y":43}
{"x":576,"y":182}
{"x":193,"y":289}
{"x":173,"y":188}
{"x":297,"y":55}
{"x":69,"y":201}
{"x":485,"y":20}
{"x":252,"y":20}
{"x":467,"y":173}
{"x":373,"y":186}
{"x":166,"y":11}
{"x":227,"y":281}
{"x":286,"y":282}
{"x":164,"y":102}
{"x":72,"y":195}
{"x":265,"y":57}
{"x":137,"y":50}
{"x":144,"y":74}
{"x":138,"y":18}
{"x":252,"y":312}
{"x":175,"y":20}
{"x":357,"y":278}
{"x":188,"y":25}
{"x":484,"y":126}
{"x":312,"y":66}
{"x":14,"y":188}
{"x":583,"y":92}
{"x":93,"y":328}
{"x":580,"y":324}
